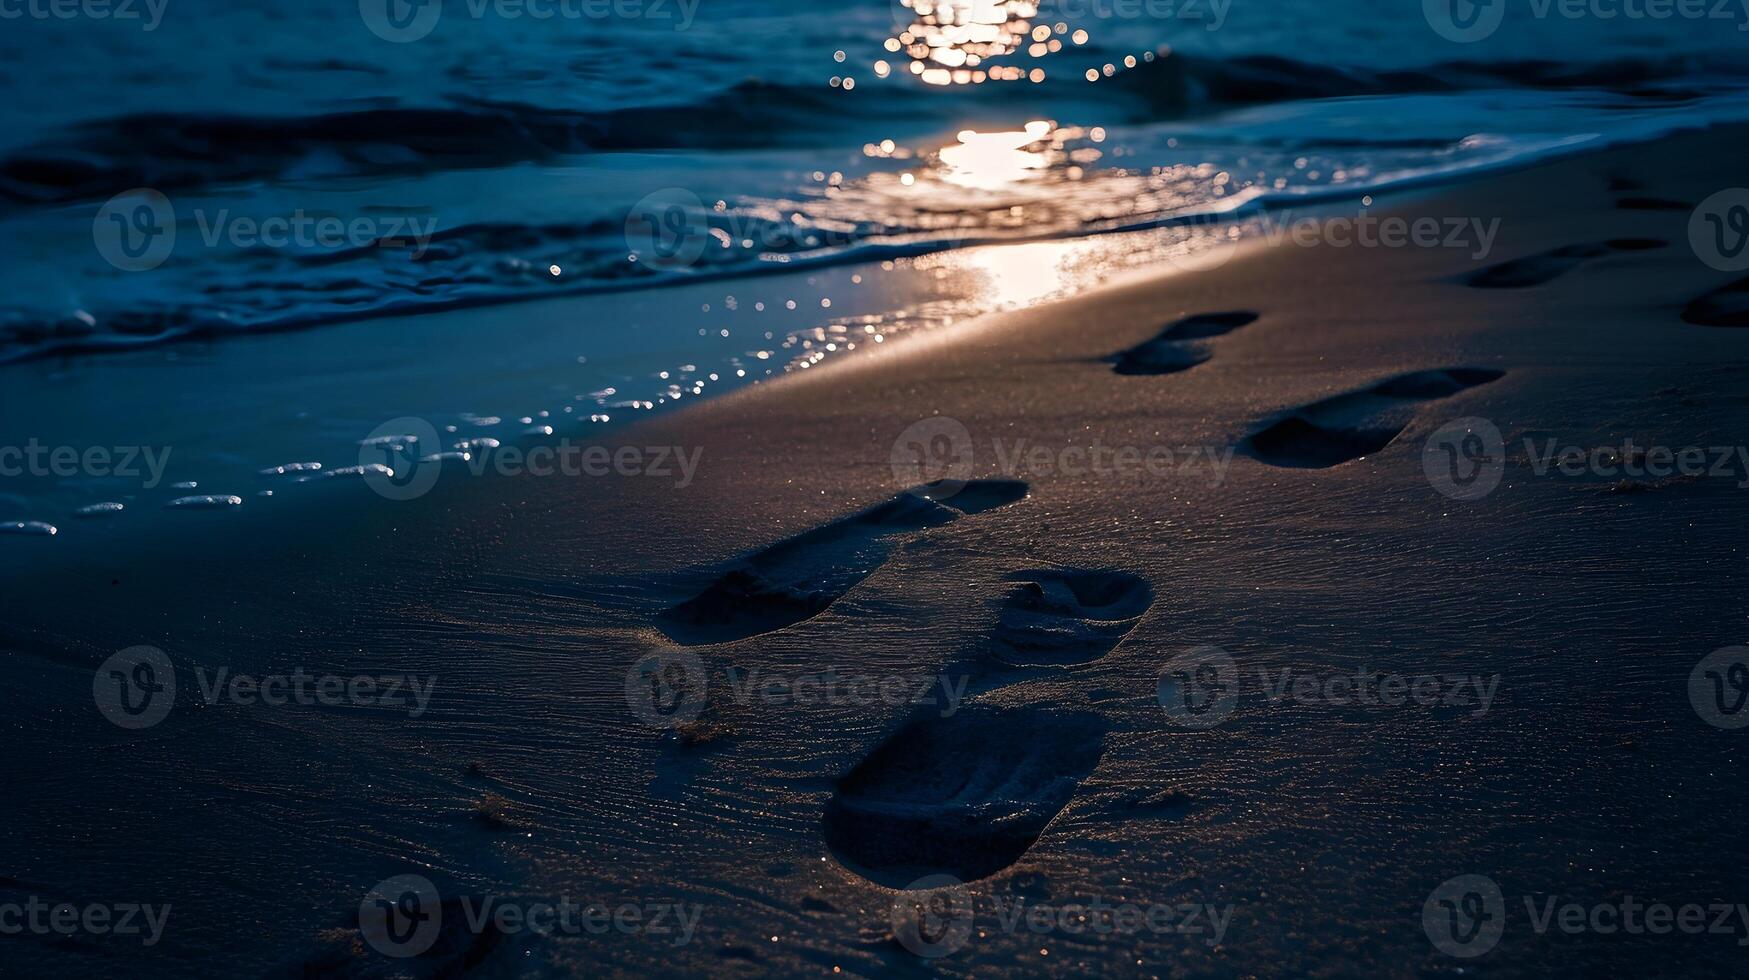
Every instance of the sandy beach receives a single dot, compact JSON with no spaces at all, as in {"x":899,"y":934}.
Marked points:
{"x":1214,"y":617}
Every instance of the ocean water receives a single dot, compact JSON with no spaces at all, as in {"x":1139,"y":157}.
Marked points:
{"x":659,"y":201}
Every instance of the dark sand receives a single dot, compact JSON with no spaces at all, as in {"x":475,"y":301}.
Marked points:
{"x":1320,"y":828}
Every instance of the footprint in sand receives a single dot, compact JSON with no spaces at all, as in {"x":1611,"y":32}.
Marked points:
{"x":1727,"y":306}
{"x":1358,"y":423}
{"x":965,"y":795}
{"x":1534,"y":270}
{"x":798,"y":578}
{"x":1178,"y":347}
{"x":1061,"y":618}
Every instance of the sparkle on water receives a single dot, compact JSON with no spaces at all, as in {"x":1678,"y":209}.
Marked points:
{"x":950,"y":43}
{"x":956,"y":42}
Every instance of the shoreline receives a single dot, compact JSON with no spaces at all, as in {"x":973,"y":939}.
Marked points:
{"x":553,"y":308}
{"x":1127,"y":286}
{"x":1263,"y":205}
{"x":419,"y":382}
